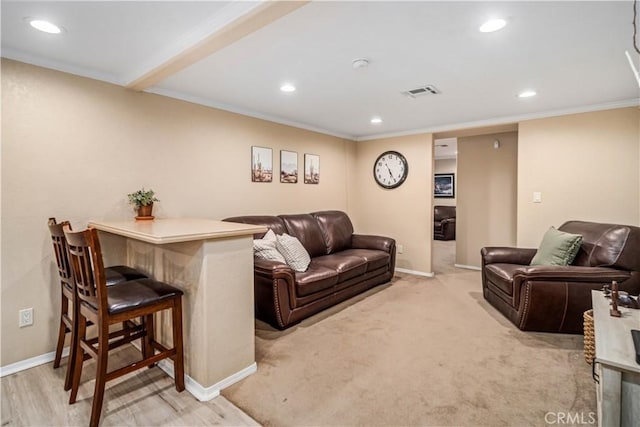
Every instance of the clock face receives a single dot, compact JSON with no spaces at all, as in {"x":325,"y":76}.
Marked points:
{"x":390,"y":169}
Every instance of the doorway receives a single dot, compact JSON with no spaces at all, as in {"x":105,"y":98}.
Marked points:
{"x":444,"y":202}
{"x":485,"y":194}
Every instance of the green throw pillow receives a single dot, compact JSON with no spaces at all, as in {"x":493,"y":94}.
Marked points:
{"x":557,"y":248}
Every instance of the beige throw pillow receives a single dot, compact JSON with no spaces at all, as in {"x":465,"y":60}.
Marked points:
{"x":265,"y":248}
{"x":293,"y":252}
{"x":269,"y":236}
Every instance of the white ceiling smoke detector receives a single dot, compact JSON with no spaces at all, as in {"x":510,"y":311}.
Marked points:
{"x":360,"y":63}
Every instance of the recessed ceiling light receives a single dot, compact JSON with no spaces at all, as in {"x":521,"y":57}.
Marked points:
{"x":287,"y":87}
{"x":45,"y":26}
{"x":493,"y":25}
{"x":376,"y":120}
{"x":527,"y":94}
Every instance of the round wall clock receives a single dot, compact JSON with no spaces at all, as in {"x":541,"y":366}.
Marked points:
{"x":390,"y":169}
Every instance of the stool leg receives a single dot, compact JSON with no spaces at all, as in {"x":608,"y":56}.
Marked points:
{"x":144,"y":341}
{"x":71,"y":360}
{"x":149,"y":337}
{"x":178,"y":359}
{"x":101,"y":374}
{"x":78,"y":357}
{"x":62,"y":331}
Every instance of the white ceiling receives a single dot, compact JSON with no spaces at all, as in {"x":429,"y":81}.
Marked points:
{"x":571,"y":53}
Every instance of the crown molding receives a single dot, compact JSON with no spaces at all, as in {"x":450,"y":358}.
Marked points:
{"x":634,"y":102}
{"x":245,"y":112}
{"x":27,"y":58}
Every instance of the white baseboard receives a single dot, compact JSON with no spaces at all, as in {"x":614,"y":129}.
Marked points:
{"x":468,"y":267}
{"x":196,"y":389}
{"x":31,"y":362}
{"x":414,"y":272}
{"x":202,"y":393}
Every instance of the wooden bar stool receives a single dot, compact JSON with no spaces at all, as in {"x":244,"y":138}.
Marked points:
{"x":105,"y":306}
{"x":115,"y":274}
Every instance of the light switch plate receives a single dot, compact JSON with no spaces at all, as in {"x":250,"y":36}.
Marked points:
{"x":537,"y":197}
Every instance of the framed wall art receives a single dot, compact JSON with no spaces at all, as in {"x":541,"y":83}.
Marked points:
{"x":311,"y":169}
{"x":288,"y":166}
{"x":261,"y":164}
{"x":444,"y":185}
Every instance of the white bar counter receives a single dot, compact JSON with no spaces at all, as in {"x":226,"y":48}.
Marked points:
{"x":212,"y":262}
{"x":618,"y":391}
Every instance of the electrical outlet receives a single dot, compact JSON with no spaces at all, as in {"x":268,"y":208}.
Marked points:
{"x":400,"y":249}
{"x":25,"y":317}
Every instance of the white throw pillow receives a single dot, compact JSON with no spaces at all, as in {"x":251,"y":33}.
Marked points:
{"x":269,"y":236}
{"x":293,"y":252}
{"x":266,"y":249}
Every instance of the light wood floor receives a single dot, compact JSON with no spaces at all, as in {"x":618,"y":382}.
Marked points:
{"x":35,"y":397}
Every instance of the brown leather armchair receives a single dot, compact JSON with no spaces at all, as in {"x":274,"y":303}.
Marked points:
{"x":553,"y":298}
{"x":444,"y":222}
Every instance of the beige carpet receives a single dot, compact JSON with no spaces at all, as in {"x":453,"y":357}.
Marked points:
{"x":416,"y":352}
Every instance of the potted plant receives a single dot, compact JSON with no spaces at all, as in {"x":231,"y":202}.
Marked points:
{"x":143,"y":201}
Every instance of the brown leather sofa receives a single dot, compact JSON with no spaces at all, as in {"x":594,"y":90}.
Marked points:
{"x":444,"y":222}
{"x":553,"y":298}
{"x":343,"y":264}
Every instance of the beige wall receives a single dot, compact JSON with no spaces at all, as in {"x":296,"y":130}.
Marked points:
{"x":586,"y":167}
{"x":487,"y":188}
{"x":403,"y":213}
{"x":198,"y":160}
{"x":446,"y":166}
{"x":73,"y":148}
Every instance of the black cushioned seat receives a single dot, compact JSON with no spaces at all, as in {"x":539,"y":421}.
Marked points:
{"x":121,"y":273}
{"x":138,"y":293}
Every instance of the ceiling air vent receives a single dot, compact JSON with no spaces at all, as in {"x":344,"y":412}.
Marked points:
{"x":421,"y":91}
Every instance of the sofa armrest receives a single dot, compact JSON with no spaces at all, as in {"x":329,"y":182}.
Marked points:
{"x":274,"y":291}
{"x":263,"y":266}
{"x":553,"y":298}
{"x":507,"y":255}
{"x":569,"y":273}
{"x":361,"y":241}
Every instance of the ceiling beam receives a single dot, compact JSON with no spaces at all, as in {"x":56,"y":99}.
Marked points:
{"x":254,"y":20}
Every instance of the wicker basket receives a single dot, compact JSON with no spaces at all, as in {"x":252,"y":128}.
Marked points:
{"x":589,"y":337}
